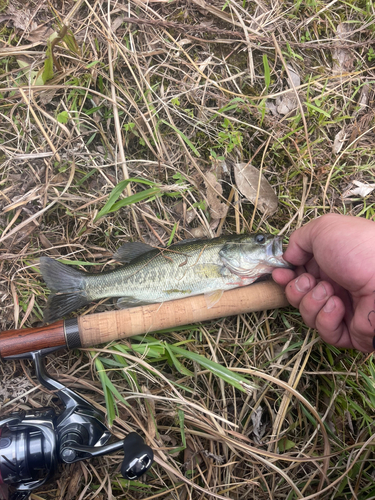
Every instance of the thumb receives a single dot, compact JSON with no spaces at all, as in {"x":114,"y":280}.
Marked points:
{"x":362,"y":326}
{"x":301,"y":244}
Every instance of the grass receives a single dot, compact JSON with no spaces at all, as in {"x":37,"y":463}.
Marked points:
{"x":106,"y":136}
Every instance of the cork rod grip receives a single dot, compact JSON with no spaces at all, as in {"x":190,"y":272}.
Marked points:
{"x":113,"y":325}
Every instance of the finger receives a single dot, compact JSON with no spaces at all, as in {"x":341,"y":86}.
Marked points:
{"x":298,"y":288}
{"x":362,"y":325}
{"x":283,"y":276}
{"x":330,"y":324}
{"x":313,"y":268}
{"x":301,"y":242}
{"x":314,"y":301}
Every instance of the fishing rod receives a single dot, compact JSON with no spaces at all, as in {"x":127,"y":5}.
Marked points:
{"x":34,"y":443}
{"x":93,"y":329}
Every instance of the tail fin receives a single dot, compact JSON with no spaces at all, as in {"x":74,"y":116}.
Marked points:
{"x":67,"y":286}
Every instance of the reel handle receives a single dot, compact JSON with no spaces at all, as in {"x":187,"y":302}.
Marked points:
{"x":138,"y":457}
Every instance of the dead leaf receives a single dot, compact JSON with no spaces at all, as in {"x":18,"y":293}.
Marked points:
{"x":247,"y":179}
{"x":258,"y":425}
{"x":218,"y":209}
{"x":339,"y":141}
{"x":197,"y":232}
{"x":364,"y":96}
{"x":184,"y":41}
{"x":214,"y":223}
{"x":28,"y":310}
{"x":39,"y":34}
{"x":294,"y":77}
{"x":184,"y":212}
{"x":48,"y":245}
{"x":46,"y":96}
{"x":288,"y":102}
{"x":75,"y":475}
{"x":191,"y":457}
{"x":342,"y":58}
{"x":15,"y":303}
{"x":23,"y":232}
{"x":205,"y":63}
{"x":117,"y":23}
{"x":171,"y":442}
{"x":22,"y":19}
{"x":362,"y":189}
{"x":271,"y":107}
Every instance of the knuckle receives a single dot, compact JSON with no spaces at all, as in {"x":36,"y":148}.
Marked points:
{"x":328,"y":218}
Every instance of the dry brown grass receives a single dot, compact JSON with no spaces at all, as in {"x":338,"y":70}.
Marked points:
{"x":167,"y":92}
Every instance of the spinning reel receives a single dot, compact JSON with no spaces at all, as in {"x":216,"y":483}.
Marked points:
{"x":33,"y":443}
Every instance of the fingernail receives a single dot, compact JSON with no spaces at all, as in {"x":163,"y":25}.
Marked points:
{"x":330,"y":305}
{"x":302,"y":283}
{"x":319,"y":292}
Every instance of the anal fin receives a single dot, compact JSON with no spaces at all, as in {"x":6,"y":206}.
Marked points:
{"x":128,"y":301}
{"x":213,"y":297}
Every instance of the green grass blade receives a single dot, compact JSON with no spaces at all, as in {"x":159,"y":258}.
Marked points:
{"x":173,"y":232}
{"x":267,"y":72}
{"x":136,"y":198}
{"x":153,"y":349}
{"x":108,"y":396}
{"x":77,"y":262}
{"x":183,"y":137}
{"x":228,"y":376}
{"x":181,"y":418}
{"x":319,"y":110}
{"x":179,"y":366}
{"x":48,"y":63}
{"x":116,"y":193}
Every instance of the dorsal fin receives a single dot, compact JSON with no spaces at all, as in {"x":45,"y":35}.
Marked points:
{"x":129,"y":251}
{"x":189,"y":240}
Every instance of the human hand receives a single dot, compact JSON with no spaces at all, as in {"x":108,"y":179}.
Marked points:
{"x":334,"y":282}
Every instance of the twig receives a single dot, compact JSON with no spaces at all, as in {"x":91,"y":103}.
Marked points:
{"x":50,"y":143}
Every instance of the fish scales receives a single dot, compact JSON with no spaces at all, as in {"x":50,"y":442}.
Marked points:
{"x":188,"y":269}
{"x":156,"y":275}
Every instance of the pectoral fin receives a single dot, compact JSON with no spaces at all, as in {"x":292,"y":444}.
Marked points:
{"x":213,"y":297}
{"x":208,"y":270}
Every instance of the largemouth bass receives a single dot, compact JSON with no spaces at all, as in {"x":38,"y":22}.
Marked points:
{"x":152,"y":275}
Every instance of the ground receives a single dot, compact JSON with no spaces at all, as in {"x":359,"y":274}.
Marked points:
{"x":175,"y":95}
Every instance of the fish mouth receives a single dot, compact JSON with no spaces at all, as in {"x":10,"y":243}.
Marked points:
{"x":274,"y":252}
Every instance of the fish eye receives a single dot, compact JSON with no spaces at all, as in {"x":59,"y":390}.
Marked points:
{"x":260,"y":238}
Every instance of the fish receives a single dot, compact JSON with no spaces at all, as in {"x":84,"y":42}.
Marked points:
{"x":154,"y":275}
